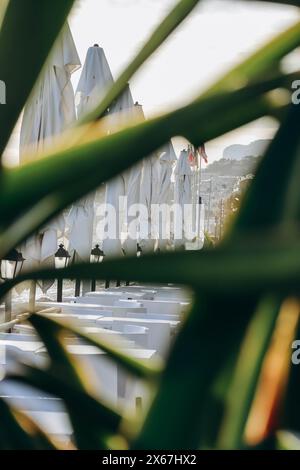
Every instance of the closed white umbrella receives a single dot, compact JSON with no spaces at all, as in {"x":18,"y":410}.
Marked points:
{"x":167,"y":160}
{"x":51,"y":107}
{"x":150,"y":181}
{"x":112,"y":244}
{"x":80,"y":224}
{"x":49,"y":111}
{"x":126,"y":185}
{"x":183,"y":198}
{"x":124,"y":105}
{"x":183,"y":180}
{"x":95,"y":78}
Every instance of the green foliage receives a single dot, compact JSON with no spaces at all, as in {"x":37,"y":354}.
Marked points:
{"x":204,"y":393}
{"x":208,"y":241}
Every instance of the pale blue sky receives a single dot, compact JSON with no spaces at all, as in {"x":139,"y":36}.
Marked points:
{"x":218,"y":34}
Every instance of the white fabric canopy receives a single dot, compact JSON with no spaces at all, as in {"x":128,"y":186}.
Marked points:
{"x":80,"y":225}
{"x":125,"y":185}
{"x":183,"y":197}
{"x":50,"y":108}
{"x":156,"y":188}
{"x":167,"y":160}
{"x":49,"y":111}
{"x":95,"y":78}
{"x":150,"y":183}
{"x":148,"y":195}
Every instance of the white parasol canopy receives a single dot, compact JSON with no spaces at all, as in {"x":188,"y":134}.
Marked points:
{"x":51,"y":107}
{"x":150,"y":181}
{"x":95,"y":78}
{"x":167,"y":160}
{"x":183,"y":197}
{"x":49,"y":111}
{"x":126,"y":185}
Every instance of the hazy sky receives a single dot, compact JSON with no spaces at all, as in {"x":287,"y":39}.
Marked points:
{"x":217,"y":35}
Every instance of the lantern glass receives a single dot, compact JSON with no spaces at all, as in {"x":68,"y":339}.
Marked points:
{"x":8,"y":269}
{"x":11,"y":266}
{"x":62,"y":258}
{"x":95,"y":259}
{"x":61,"y":262}
{"x":97,"y":255}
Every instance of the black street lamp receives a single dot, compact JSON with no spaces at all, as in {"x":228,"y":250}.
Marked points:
{"x":97,"y":256}
{"x":62,"y":259}
{"x":11,"y":267}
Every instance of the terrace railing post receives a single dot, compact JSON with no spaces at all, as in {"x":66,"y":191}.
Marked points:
{"x":59,"y":290}
{"x":8,"y":307}
{"x":77,"y":287}
{"x":8,"y":310}
{"x":32,"y":294}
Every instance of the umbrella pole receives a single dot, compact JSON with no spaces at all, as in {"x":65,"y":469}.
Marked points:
{"x":32,"y":294}
{"x":209,"y":207}
{"x":8,"y":308}
{"x":77,"y":281}
{"x":199,"y":178}
{"x":199,"y":199}
{"x":77,"y":287}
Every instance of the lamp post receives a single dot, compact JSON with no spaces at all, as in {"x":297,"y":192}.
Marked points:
{"x":62,"y":259}
{"x":11,"y":266}
{"x":97,"y":256}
